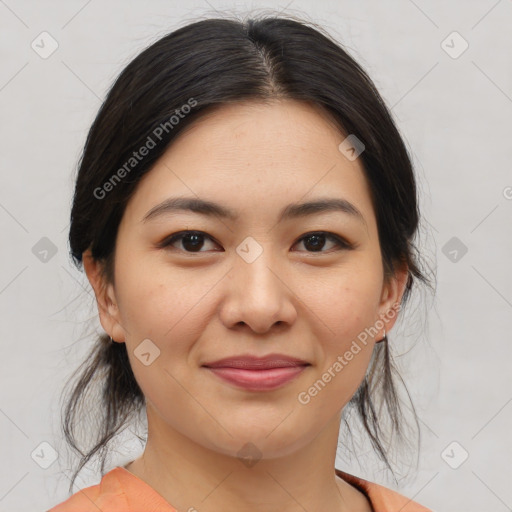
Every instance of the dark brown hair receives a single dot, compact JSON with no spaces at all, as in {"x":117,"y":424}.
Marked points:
{"x":207,"y":64}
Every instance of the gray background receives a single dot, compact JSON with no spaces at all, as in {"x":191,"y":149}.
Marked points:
{"x":454,"y":112}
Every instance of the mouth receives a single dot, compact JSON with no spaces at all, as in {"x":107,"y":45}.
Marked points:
{"x":258,"y":373}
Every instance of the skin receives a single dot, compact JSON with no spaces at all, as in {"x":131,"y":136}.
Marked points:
{"x":293,"y":299}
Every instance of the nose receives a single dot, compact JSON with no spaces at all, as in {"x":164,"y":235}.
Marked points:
{"x":258,"y":295}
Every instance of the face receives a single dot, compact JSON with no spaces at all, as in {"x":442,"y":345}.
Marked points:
{"x":255,"y":282}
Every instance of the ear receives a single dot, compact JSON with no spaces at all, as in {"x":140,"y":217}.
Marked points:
{"x":105,"y":297}
{"x":391,"y":298}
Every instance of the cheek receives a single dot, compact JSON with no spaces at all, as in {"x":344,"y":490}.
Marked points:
{"x":147,"y":291}
{"x":346,"y":304}
{"x":344,"y":358}
{"x":347,"y":310}
{"x":173,"y":317}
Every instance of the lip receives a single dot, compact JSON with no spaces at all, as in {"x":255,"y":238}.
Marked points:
{"x":249,"y":362}
{"x":258,"y":373}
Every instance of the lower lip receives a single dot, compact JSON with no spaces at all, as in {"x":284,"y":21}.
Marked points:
{"x":258,"y":380}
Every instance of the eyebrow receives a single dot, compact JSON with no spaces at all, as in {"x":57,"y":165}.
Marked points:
{"x":292,"y":211}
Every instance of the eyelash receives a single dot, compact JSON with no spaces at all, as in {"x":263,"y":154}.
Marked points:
{"x":342,"y":243}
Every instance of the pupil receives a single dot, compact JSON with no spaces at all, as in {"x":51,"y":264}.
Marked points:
{"x":196,"y":241}
{"x":319,"y":241}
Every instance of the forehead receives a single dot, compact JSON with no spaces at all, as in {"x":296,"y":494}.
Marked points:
{"x":264,"y":119}
{"x":254,"y":155}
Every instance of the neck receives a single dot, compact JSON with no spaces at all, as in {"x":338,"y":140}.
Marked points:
{"x":192,"y":477}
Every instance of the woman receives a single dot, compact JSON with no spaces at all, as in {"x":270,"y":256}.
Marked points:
{"x":245,"y":212}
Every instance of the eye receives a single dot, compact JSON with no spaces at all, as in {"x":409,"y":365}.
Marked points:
{"x":193,"y":241}
{"x":316,"y":241}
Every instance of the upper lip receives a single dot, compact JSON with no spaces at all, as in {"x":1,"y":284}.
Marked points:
{"x":248,"y":362}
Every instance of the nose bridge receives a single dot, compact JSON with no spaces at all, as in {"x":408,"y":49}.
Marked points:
{"x":255,"y":270}
{"x":257,"y":295}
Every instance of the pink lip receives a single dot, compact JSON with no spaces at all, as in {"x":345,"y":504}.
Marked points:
{"x":258,"y":373}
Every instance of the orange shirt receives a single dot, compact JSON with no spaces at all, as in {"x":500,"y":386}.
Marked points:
{"x":122,"y":491}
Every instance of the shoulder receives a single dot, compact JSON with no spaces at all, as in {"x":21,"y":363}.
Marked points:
{"x":107,"y":495}
{"x":382,"y":498}
{"x":118,"y":491}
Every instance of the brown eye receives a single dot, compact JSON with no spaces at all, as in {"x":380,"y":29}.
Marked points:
{"x":194,"y":241}
{"x":191,"y":241}
{"x":315,"y":242}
